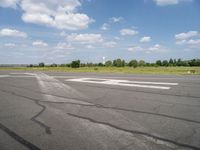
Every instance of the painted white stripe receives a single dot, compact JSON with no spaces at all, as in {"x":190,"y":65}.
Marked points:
{"x":124,"y":83}
{"x":137,"y":82}
{"x":4,"y":76}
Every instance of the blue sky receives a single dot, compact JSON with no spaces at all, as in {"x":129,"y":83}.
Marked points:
{"x":50,"y":31}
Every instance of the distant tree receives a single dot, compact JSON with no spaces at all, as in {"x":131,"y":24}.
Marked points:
{"x":179,"y":62}
{"x":175,"y":62}
{"x":165,"y":63}
{"x":41,"y":64}
{"x":141,"y":63}
{"x":108,"y":63}
{"x":82,"y":65}
{"x":159,"y":62}
{"x":100,"y":64}
{"x":53,"y":65}
{"x":123,"y":63}
{"x":75,"y":64}
{"x":133,"y":63}
{"x":171,"y":62}
{"x":198,"y":62}
{"x":31,"y":65}
{"x":118,"y":63}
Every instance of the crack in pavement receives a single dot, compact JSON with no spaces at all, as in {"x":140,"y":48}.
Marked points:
{"x":47,"y":129}
{"x":154,"y":137}
{"x":18,"y":138}
{"x":41,"y":124}
{"x":129,"y":110}
{"x":107,"y":107}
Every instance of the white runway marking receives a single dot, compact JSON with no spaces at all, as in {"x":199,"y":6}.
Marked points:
{"x":4,"y":76}
{"x":153,"y":85}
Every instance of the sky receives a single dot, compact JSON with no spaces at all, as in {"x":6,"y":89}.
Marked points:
{"x":33,"y":31}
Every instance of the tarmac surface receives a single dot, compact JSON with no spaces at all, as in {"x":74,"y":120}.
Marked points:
{"x":93,"y":111}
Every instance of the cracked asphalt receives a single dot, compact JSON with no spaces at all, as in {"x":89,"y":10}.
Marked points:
{"x":48,"y":111}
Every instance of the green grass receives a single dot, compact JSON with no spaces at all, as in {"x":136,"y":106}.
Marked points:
{"x":138,"y":70}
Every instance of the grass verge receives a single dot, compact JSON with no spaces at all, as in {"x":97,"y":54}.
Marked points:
{"x":138,"y":70}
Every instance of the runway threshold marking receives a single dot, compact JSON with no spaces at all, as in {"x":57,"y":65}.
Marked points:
{"x":153,"y":85}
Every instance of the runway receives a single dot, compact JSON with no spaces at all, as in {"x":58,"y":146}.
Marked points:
{"x":96,"y":111}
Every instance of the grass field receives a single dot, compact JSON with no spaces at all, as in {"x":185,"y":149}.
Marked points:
{"x":138,"y":70}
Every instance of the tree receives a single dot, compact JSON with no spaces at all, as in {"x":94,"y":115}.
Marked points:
{"x":118,"y":63}
{"x":100,"y":64}
{"x":179,"y":62}
{"x":41,"y":64}
{"x":75,"y":64}
{"x":159,"y":62}
{"x":133,"y":63}
{"x":171,"y":62}
{"x":108,"y":63}
{"x":165,"y":63}
{"x":141,"y":63}
{"x":54,"y":65}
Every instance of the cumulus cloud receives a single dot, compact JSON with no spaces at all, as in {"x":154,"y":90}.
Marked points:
{"x":89,"y":47}
{"x":170,"y":2}
{"x":10,"y":45}
{"x":125,"y":32}
{"x":116,"y":19}
{"x":9,"y":3}
{"x":145,"y":39}
{"x":189,"y":39}
{"x":64,"y":46}
{"x":135,"y":49}
{"x":186,"y":35}
{"x":60,"y":14}
{"x":85,"y":38}
{"x":157,"y":48}
{"x":12,"y":33}
{"x":105,"y":26}
{"x":39,"y":43}
{"x":110,"y":44}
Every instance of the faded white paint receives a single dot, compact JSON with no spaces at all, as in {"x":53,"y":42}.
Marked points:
{"x":153,"y":85}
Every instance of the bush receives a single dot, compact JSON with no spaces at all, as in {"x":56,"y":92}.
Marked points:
{"x":41,"y":64}
{"x":75,"y":64}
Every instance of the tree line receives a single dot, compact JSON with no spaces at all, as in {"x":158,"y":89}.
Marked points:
{"x":122,"y":63}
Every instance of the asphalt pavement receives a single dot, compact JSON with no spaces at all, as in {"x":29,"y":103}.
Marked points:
{"x":97,"y":111}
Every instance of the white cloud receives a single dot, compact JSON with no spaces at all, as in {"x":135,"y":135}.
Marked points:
{"x":194,"y":42}
{"x":105,"y":26}
{"x":85,"y":38}
{"x":170,"y":2}
{"x":10,"y":45}
{"x":110,"y":44}
{"x":181,"y":42}
{"x":187,"y":35}
{"x":186,"y":39}
{"x":9,"y":3}
{"x":157,"y":48}
{"x":60,"y":14}
{"x":63,"y":33}
{"x":89,"y":47}
{"x":39,"y":43}
{"x":12,"y":33}
{"x":135,"y":49}
{"x":128,"y":32}
{"x":145,"y":39}
{"x":116,"y":19}
{"x":64,"y":46}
